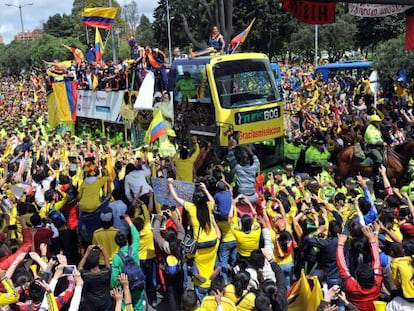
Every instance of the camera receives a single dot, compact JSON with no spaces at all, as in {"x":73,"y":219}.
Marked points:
{"x":68,"y":270}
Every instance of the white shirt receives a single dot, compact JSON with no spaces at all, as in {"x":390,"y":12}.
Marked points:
{"x":133,"y":182}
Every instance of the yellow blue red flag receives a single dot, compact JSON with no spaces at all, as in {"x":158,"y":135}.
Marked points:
{"x":240,"y":38}
{"x":99,"y":17}
{"x":156,"y":129}
{"x":99,"y":47}
{"x":62,"y":103}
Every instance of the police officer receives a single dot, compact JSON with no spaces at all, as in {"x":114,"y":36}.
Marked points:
{"x":292,"y":150}
{"x":316,"y":156}
{"x":374,"y":141}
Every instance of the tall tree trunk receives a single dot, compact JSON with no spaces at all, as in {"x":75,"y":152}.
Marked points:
{"x":197,"y":44}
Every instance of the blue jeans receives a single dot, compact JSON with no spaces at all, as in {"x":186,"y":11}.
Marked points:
{"x":148,"y":267}
{"x":287,"y":269}
{"x":201,"y":292}
{"x":227,"y":255}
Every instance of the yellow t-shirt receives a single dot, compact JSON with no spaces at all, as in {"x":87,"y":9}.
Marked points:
{"x":106,"y":238}
{"x":89,"y":194}
{"x":402,"y":272}
{"x":184,"y":168}
{"x":146,"y":242}
{"x":396,"y":230}
{"x":209,"y":303}
{"x":200,"y":235}
{"x":247,"y":301}
{"x":247,"y":242}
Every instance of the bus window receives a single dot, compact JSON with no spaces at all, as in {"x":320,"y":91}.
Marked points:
{"x":244,"y":83}
{"x":354,"y":69}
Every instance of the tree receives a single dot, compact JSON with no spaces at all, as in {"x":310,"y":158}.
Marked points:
{"x":47,"y":47}
{"x":390,"y":57}
{"x":17,"y":56}
{"x":145,"y":32}
{"x":131,"y":16}
{"x":196,"y":18}
{"x":59,"y":25}
{"x":371,"y":31}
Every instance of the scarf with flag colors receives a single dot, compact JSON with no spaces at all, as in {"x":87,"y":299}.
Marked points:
{"x":156,"y":129}
{"x":99,"y":17}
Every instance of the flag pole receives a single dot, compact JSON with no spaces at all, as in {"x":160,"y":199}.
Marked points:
{"x":87,"y":34}
{"x":114,"y":60}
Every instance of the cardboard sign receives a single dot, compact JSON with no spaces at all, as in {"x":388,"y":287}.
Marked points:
{"x":183,"y":189}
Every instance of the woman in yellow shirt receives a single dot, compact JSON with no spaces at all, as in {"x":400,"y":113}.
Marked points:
{"x":248,"y":235}
{"x":205,"y":232}
{"x":239,"y":293}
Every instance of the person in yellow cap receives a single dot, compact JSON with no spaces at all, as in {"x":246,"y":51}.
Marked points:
{"x":374,"y":141}
{"x":167,"y":147}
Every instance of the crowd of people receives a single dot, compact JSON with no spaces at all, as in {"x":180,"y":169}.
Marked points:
{"x":82,"y":230}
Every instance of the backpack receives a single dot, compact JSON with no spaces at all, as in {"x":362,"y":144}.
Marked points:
{"x":134,"y":272}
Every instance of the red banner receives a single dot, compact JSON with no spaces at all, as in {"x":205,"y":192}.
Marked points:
{"x":311,"y":12}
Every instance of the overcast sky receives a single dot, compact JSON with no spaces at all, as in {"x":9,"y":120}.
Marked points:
{"x":35,"y":15}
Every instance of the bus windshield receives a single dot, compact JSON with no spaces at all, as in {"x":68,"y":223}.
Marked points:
{"x":244,"y":83}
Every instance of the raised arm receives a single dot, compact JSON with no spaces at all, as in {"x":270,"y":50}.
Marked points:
{"x":207,"y":193}
{"x":174,"y":195}
{"x":340,"y":257}
{"x":373,"y":243}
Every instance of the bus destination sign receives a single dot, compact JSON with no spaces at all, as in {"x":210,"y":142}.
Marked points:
{"x":257,"y":115}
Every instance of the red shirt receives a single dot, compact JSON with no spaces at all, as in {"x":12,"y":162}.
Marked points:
{"x":6,"y":261}
{"x":42,"y":235}
{"x":362,"y":298}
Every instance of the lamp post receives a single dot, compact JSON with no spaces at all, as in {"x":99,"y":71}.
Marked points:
{"x":113,"y":40}
{"x":20,"y":7}
{"x":169,"y":31}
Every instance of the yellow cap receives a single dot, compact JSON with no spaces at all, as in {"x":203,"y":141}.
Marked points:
{"x":374,"y":118}
{"x":171,"y":132}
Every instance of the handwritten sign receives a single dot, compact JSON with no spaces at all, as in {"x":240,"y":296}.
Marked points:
{"x":183,"y":189}
{"x":311,"y":12}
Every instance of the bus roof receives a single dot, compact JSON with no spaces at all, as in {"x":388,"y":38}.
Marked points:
{"x":202,"y":60}
{"x":346,"y":65}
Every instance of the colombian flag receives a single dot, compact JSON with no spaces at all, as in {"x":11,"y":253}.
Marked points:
{"x":99,"y":17}
{"x":156,"y":128}
{"x":99,"y":47}
{"x":62,"y":103}
{"x":240,"y":38}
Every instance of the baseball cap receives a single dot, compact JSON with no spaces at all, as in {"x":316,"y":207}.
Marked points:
{"x":172,"y":264}
{"x":289,"y":167}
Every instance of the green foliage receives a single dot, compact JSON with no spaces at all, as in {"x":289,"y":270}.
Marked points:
{"x":59,"y":26}
{"x":15,"y":57}
{"x":145,"y":32}
{"x":371,"y":31}
{"x":48,"y":48}
{"x":390,"y":58}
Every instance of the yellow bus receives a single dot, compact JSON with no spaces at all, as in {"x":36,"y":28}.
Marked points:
{"x":229,"y":96}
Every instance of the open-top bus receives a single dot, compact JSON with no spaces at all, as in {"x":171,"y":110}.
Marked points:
{"x":234,"y":96}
